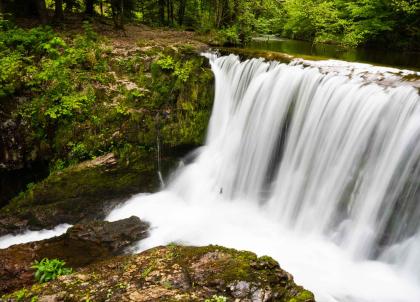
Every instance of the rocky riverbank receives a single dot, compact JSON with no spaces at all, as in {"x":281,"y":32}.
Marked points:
{"x":174,"y":273}
{"x":81,"y":245}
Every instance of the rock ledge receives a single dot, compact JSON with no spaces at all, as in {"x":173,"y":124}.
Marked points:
{"x":176,"y":273}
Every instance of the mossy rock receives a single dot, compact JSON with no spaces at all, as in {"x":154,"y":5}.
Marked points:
{"x":246,"y":53}
{"x":80,"y":193}
{"x":176,"y":273}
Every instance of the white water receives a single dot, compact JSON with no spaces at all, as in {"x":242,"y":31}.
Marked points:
{"x":319,"y":171}
{"x":29,"y":236}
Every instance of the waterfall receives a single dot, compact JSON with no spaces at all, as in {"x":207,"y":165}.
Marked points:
{"x":319,"y":170}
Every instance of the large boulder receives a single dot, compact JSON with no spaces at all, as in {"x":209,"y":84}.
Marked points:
{"x":81,"y":245}
{"x":175,"y":273}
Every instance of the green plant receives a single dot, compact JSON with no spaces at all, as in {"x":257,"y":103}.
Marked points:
{"x":10,"y":72}
{"x":166,"y":63}
{"x":58,"y":165}
{"x":50,"y":269}
{"x":229,"y":35}
{"x":79,"y":151}
{"x":21,"y":294}
{"x":216,"y":298}
{"x":148,"y":270}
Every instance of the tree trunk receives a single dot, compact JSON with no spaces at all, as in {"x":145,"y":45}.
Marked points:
{"x":162,"y":11}
{"x":41,"y":10}
{"x":69,"y":6}
{"x":167,"y":12}
{"x":181,"y":12}
{"x":117,"y":7}
{"x":121,"y":26}
{"x":89,"y":7}
{"x":58,"y":14}
{"x":171,"y":6}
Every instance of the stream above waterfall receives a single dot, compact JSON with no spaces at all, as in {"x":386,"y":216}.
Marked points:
{"x":409,"y":59}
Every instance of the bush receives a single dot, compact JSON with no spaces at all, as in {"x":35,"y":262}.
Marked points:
{"x":50,"y":269}
{"x":10,"y":73}
{"x":229,"y":36}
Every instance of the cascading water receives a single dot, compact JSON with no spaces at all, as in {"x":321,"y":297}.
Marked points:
{"x":318,"y":170}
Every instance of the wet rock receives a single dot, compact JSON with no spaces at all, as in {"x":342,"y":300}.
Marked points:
{"x":12,"y":153}
{"x":179,"y":273}
{"x":82,"y":244}
{"x":79,"y":193}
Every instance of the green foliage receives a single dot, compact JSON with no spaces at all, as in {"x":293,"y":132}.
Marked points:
{"x":53,"y":46}
{"x":49,"y":269}
{"x":58,"y":165}
{"x":216,"y":298}
{"x":347,"y":22}
{"x":21,"y":294}
{"x":10,"y":73}
{"x":351,"y":23}
{"x":180,"y":70}
{"x":79,"y":152}
{"x":76,"y":107}
{"x":166,"y":63}
{"x":229,"y":36}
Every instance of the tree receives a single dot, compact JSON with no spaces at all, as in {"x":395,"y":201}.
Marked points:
{"x":117,"y":7}
{"x":89,"y":7}
{"x":41,"y":10}
{"x":58,"y":13}
{"x":181,"y":11}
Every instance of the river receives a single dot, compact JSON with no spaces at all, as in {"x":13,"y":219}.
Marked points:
{"x":400,"y":59}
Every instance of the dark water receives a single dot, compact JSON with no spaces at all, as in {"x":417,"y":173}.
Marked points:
{"x":409,"y":60}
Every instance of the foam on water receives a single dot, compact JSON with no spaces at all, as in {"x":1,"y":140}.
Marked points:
{"x":315,"y":262}
{"x":29,"y":236}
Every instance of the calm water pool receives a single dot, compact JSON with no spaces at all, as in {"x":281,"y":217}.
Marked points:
{"x":410,"y":60}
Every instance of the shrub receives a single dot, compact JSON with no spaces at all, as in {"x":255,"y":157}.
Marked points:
{"x":49,"y":269}
{"x":229,"y":36}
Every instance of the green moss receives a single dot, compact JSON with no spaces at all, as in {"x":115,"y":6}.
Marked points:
{"x":90,"y":101}
{"x":303,"y":296}
{"x":158,"y":271}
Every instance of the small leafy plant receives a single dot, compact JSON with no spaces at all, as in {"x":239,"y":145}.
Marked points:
{"x":50,"y":269}
{"x":216,"y":298}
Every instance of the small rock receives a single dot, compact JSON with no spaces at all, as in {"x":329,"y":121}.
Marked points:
{"x":240,"y":289}
{"x":83,"y":277}
{"x":49,"y":298}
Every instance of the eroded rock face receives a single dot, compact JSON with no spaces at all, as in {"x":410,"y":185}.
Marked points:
{"x":176,"y":273}
{"x":81,"y":245}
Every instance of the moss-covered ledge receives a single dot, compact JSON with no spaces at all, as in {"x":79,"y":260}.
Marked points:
{"x":81,"y":192}
{"x":174,"y":273}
